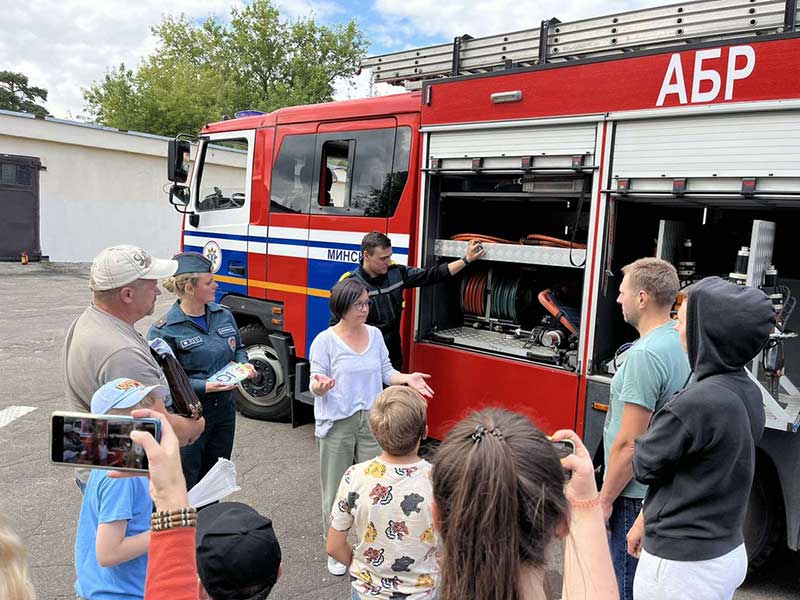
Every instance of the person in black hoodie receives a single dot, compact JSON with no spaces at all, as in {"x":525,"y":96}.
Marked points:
{"x":699,"y":454}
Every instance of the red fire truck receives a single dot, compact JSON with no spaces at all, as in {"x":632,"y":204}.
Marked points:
{"x":571,"y":149}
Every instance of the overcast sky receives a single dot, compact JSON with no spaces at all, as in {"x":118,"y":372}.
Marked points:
{"x":66,"y":45}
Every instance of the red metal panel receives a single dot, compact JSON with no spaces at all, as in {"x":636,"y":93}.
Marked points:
{"x":597,"y":237}
{"x":357,"y":125}
{"x":352,"y":109}
{"x":465,"y":381}
{"x":404,"y":219}
{"x":287,"y":270}
{"x":288,"y":220}
{"x":616,"y":84}
{"x":344,"y":110}
{"x":294,"y":310}
{"x":257,"y":268}
{"x":347,"y":223}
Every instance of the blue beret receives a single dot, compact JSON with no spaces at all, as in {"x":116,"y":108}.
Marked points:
{"x":192,"y":262}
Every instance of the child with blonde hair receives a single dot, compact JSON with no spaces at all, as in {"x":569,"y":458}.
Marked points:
{"x":14,"y":582}
{"x":388,"y":502}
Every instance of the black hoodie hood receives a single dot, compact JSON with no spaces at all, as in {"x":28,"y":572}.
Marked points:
{"x":726,"y":326}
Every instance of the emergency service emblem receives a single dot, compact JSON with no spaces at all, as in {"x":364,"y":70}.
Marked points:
{"x":232,"y":343}
{"x":213,"y":252}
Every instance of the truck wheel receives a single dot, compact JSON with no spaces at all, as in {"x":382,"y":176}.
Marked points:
{"x":762,"y":521}
{"x":267,"y":396}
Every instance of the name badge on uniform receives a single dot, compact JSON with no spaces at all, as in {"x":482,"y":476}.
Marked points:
{"x":226,"y":330}
{"x":190,"y":342}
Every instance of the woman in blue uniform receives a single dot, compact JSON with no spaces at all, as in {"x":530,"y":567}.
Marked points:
{"x":204,"y":337}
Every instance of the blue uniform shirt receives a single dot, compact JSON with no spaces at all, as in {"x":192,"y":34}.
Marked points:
{"x":201,"y":352}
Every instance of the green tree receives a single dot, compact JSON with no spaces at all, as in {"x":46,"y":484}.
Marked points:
{"x":201,"y":72}
{"x":17,"y":95}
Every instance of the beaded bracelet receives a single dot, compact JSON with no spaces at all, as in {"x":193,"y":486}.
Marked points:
{"x":585,"y":504}
{"x":170,"y":519}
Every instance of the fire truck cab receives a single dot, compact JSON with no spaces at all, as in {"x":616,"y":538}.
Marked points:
{"x":571,"y":150}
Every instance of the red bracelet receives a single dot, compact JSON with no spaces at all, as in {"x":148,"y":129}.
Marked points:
{"x":585,"y":504}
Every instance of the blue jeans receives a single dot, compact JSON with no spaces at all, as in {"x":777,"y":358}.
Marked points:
{"x":215,"y":442}
{"x":623,"y":515}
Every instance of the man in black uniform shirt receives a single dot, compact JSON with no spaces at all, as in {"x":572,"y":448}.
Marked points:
{"x":386,"y":281}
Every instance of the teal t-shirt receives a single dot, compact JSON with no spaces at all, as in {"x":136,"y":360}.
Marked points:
{"x":652,"y":370}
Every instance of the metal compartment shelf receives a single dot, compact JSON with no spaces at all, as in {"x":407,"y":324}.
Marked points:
{"x":492,"y":341}
{"x":516,"y":253}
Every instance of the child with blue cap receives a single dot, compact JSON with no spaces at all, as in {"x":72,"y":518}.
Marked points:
{"x":114,"y":525}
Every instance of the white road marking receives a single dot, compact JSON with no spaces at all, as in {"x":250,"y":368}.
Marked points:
{"x":10,"y":414}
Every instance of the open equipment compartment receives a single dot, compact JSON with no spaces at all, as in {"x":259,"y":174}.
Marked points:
{"x":530,"y":207}
{"x":736,"y":216}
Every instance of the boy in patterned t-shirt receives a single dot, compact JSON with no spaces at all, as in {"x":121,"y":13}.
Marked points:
{"x":388,"y":499}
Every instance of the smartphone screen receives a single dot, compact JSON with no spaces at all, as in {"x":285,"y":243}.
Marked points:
{"x":99,"y":441}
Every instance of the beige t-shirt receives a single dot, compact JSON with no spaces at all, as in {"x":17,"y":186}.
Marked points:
{"x":390,"y":506}
{"x":100,"y":348}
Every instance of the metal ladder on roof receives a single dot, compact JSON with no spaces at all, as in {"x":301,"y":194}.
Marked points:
{"x":554,"y":41}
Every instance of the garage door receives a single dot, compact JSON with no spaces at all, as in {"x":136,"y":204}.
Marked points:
{"x":19,"y":207}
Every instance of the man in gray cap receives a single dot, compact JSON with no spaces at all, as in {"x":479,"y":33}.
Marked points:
{"x":102,"y":344}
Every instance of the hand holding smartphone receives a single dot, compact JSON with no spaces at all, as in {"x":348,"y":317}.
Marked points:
{"x":99,"y":441}
{"x":580,"y":482}
{"x":564,"y":448}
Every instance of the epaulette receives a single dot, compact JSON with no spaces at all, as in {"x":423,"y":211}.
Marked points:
{"x":345,"y":275}
{"x":160,"y":323}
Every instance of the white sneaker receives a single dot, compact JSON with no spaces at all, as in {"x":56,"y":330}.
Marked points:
{"x":335,"y":567}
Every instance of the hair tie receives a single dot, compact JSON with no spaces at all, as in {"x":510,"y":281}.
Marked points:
{"x":477,"y":435}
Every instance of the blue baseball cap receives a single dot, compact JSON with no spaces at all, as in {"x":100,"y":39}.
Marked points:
{"x":122,"y":393}
{"x":192,"y":262}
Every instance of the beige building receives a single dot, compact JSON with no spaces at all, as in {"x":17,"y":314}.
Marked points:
{"x":69,"y":189}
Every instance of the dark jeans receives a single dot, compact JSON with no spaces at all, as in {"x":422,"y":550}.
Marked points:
{"x":215,"y":442}
{"x":622,"y":517}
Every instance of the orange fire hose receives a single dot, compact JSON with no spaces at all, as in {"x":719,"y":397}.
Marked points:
{"x":536,"y":239}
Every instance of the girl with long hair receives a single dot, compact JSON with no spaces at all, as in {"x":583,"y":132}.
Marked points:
{"x":501,"y":500}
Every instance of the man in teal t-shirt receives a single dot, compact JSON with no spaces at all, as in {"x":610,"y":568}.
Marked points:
{"x":648,"y":374}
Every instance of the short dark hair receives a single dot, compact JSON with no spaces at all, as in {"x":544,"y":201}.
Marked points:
{"x":344,"y":294}
{"x":374,"y":239}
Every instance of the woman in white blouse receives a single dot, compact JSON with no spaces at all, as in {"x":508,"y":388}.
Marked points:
{"x":349,"y":366}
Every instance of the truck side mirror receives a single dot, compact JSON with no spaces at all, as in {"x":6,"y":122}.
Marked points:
{"x":178,"y":195}
{"x":178,"y":161}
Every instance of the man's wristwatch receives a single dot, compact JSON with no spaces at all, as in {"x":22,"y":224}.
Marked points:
{"x":464,"y":258}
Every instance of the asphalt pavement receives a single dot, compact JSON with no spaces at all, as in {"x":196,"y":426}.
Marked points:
{"x":277,"y":466}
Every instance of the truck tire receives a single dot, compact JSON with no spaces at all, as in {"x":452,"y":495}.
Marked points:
{"x":763,"y":519}
{"x":267,"y":396}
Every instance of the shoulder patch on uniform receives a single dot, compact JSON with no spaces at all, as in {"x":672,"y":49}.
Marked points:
{"x":345,"y":275}
{"x":226,"y":330}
